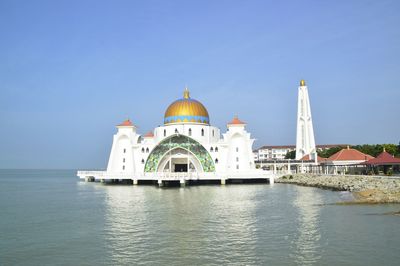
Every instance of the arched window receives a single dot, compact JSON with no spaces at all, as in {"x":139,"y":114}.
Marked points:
{"x":123,"y":167}
{"x":165,"y":132}
{"x":142,"y":149}
{"x":216,"y":149}
{"x":123,"y":160}
{"x":216,"y":160}
{"x":237,"y":149}
{"x":190,"y":131}
{"x":142,"y":160}
{"x":213,"y":132}
{"x":202,"y":132}
{"x":237,"y":159}
{"x":176,"y":131}
{"x":237,"y":167}
{"x":147,"y":150}
{"x":124,"y":150}
{"x":212,"y":149}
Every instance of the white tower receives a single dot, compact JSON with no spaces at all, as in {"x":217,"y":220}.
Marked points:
{"x":305,"y":142}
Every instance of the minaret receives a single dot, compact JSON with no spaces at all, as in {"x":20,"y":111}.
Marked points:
{"x":305,"y":142}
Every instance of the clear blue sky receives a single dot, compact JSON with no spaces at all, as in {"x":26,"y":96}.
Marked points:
{"x":71,"y":70}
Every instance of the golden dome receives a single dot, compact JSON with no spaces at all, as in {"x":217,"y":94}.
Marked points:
{"x":302,"y":82}
{"x":186,"y":110}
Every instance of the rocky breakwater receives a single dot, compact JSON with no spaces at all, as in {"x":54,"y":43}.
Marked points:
{"x":366,"y":189}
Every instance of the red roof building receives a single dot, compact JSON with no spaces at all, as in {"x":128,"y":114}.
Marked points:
{"x":384,"y":158}
{"x":149,"y":134}
{"x":126,"y":123}
{"x":236,"y":121}
{"x":348,"y":156}
{"x":308,"y":158}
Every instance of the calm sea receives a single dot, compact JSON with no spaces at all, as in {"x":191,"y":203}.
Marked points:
{"x":51,"y":218}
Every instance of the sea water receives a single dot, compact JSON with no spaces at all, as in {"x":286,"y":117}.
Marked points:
{"x":49,"y":217}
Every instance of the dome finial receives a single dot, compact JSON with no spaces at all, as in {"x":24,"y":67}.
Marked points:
{"x":302,"y":82}
{"x":186,"y":94}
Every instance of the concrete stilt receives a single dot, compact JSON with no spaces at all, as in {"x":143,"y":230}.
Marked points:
{"x":134,"y":182}
{"x":102,"y":180}
{"x":223,"y":181}
{"x":182,"y":182}
{"x":160,"y":183}
{"x":271,"y":180}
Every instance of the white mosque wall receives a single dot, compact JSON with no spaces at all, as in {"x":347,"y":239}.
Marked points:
{"x":232,"y":153}
{"x":122,"y":157}
{"x":239,"y":149}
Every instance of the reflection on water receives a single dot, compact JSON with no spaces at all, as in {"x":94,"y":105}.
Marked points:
{"x":307,"y":240}
{"x":48,"y":218}
{"x":195,"y":224}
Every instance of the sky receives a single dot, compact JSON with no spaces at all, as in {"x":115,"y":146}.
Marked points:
{"x":71,"y":70}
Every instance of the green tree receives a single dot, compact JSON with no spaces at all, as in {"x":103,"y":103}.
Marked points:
{"x":329,"y":152}
{"x":290,"y":155}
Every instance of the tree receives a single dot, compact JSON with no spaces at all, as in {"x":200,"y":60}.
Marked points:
{"x":290,"y":155}
{"x":329,"y":152}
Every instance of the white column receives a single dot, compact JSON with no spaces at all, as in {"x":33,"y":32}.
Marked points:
{"x":305,"y":142}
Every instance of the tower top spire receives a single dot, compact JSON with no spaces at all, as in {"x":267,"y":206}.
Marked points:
{"x":302,"y":82}
{"x":186,"y":93}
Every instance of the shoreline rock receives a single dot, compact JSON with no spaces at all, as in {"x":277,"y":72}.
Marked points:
{"x":366,"y":189}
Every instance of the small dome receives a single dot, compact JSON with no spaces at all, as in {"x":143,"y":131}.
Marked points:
{"x":186,"y":110}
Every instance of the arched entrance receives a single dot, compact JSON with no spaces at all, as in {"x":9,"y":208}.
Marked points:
{"x":179,"y":160}
{"x":179,"y":150}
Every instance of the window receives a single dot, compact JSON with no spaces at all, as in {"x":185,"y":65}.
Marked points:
{"x":142,"y":160}
{"x":123,"y":167}
{"x":165,"y":132}
{"x":216,"y":149}
{"x":237,"y":167}
{"x":216,"y":160}
{"x":212,"y":149}
{"x":123,"y":160}
{"x":190,"y":131}
{"x":176,"y":131}
{"x":124,"y":150}
{"x":202,"y":132}
{"x":213,"y":132}
{"x":142,"y":149}
{"x":147,"y":150}
{"x":237,"y":159}
{"x":237,"y":149}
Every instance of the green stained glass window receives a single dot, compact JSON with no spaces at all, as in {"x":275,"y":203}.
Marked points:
{"x":179,"y":141}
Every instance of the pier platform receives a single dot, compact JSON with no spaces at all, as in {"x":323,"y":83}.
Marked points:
{"x":183,"y":178}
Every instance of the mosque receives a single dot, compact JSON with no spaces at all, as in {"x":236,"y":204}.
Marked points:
{"x":187,"y":147}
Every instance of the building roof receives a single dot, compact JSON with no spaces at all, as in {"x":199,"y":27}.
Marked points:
{"x":149,"y":134}
{"x":384,"y":158}
{"x":186,"y":110}
{"x":277,"y":147}
{"x":323,"y":146}
{"x":236,"y":121}
{"x":349,"y":155}
{"x":307,"y":158}
{"x":126,"y":123}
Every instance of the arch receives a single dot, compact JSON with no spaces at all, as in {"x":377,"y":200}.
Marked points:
{"x":179,"y":141}
{"x":190,"y":160}
{"x":211,"y":149}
